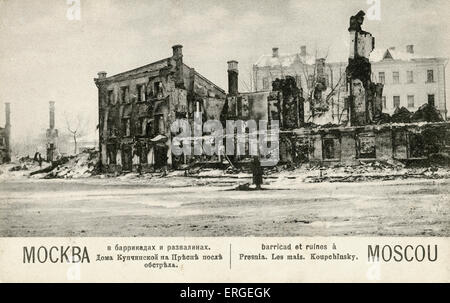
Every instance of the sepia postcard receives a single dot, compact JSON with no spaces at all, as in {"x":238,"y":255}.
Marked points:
{"x":224,"y":141}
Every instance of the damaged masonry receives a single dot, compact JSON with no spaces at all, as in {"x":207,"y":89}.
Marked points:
{"x":136,"y":109}
{"x":366,"y":136}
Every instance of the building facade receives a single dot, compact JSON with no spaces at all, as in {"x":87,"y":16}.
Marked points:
{"x":5,"y":137}
{"x":410,"y":80}
{"x":138,"y":107}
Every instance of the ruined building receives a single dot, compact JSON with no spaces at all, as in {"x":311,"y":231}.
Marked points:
{"x":137,"y":108}
{"x":5,"y":135}
{"x":283,"y":103}
{"x":410,"y":80}
{"x":322,"y":84}
{"x":245,"y":106}
{"x":51,"y":135}
{"x":364,"y":134}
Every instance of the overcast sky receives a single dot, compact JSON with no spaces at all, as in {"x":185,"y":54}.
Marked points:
{"x":45,"y":56}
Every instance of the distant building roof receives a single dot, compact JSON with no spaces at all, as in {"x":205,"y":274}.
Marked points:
{"x":284,"y":60}
{"x":377,"y":55}
{"x":380,"y":54}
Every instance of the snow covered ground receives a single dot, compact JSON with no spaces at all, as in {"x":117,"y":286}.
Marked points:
{"x":305,"y":202}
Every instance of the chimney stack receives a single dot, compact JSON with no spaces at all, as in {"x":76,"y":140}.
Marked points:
{"x":177,"y":51}
{"x":7,"y":115}
{"x":303,"y":50}
{"x":233,"y":73}
{"x":410,"y":49}
{"x":178,"y":58}
{"x":275,"y":52}
{"x":52,"y":115}
{"x":101,"y":75}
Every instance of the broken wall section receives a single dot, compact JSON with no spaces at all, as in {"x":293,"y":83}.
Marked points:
{"x":420,"y":143}
{"x":365,"y":97}
{"x":290,"y":103}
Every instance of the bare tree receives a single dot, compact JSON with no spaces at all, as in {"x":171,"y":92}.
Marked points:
{"x":76,"y":128}
{"x":310,"y":74}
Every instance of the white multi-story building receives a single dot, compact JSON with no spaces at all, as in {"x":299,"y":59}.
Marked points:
{"x":410,"y":80}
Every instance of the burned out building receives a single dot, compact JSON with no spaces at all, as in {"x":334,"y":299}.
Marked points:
{"x":364,"y":131}
{"x":368,"y":134}
{"x":5,"y":137}
{"x":322,"y":83}
{"x":284,"y":103}
{"x":410,"y":80}
{"x":137,"y":108}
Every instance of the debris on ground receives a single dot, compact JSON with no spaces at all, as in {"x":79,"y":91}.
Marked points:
{"x":427,"y":113}
{"x":50,"y":168}
{"x":83,"y":165}
{"x":401,"y":115}
{"x":247,"y":187}
{"x":18,"y":168}
{"x":376,"y":170}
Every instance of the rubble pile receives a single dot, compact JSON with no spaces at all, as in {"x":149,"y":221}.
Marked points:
{"x":83,"y":165}
{"x":426,"y":113}
{"x":401,"y":115}
{"x":26,"y":164}
{"x":21,"y":167}
{"x":378,"y":170}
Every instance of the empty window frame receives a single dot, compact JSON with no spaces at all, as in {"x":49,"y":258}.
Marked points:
{"x":331,"y":148}
{"x":111,"y":96}
{"x":159,"y":125}
{"x":366,"y":146}
{"x":400,"y":143}
{"x":158,"y":89}
{"x":111,"y":152}
{"x":140,"y":126}
{"x":416,"y":145}
{"x":126,"y":127}
{"x":140,"y":92}
{"x":124,"y":94}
